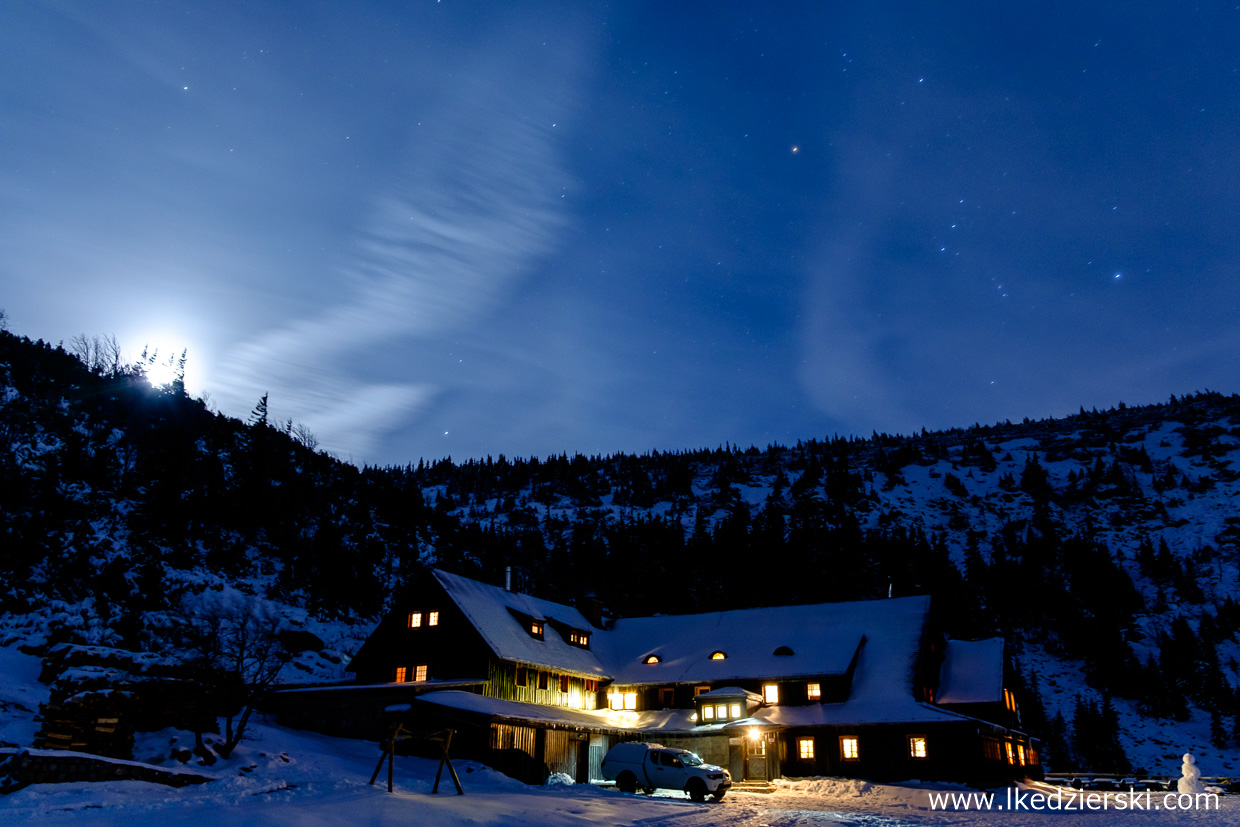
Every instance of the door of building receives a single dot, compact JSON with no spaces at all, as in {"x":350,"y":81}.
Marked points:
{"x":756,"y":768}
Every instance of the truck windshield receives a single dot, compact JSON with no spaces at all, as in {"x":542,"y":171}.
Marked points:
{"x":691,"y":759}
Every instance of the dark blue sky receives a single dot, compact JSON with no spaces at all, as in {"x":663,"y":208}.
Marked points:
{"x":432,"y":228}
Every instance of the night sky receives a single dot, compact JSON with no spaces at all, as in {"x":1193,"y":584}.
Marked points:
{"x":458,"y":228}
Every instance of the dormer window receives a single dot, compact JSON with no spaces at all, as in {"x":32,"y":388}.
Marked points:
{"x":536,"y":629}
{"x":581,"y":639}
{"x":718,"y":655}
{"x":652,"y":659}
{"x":721,"y":705}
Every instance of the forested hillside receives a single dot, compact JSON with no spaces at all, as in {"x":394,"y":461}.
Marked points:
{"x":1105,"y":546}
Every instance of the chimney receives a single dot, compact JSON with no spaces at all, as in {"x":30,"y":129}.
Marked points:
{"x":507,"y":578}
{"x":591,"y":608}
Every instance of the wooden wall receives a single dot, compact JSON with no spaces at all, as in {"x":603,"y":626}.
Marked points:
{"x":501,"y":683}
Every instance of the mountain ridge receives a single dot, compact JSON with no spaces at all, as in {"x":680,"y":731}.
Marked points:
{"x":1104,"y":545}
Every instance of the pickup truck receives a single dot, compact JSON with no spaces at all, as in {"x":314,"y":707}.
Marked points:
{"x":653,"y":766}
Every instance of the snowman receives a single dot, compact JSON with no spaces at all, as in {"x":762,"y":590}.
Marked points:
{"x":1191,"y":780}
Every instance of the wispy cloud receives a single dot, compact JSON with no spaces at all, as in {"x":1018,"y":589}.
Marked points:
{"x":471,"y":208}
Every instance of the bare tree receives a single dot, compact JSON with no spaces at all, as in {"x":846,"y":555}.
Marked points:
{"x":234,"y":639}
{"x":302,"y":433}
{"x":100,"y":354}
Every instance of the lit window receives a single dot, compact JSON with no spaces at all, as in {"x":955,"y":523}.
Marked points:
{"x":401,"y":672}
{"x":721,"y":711}
{"x":813,"y":691}
{"x":736,"y":710}
{"x":652,"y":659}
{"x":770,"y":693}
{"x":615,"y":702}
{"x":415,"y":620}
{"x":432,"y":618}
{"x":583,"y":640}
{"x":630,"y":700}
{"x":805,"y":748}
{"x":917,"y":746}
{"x":718,"y":655}
{"x":849,"y":750}
{"x":698,"y":690}
{"x":1011,"y":759}
{"x":536,"y":628}
{"x":1020,"y":754}
{"x":708,"y":713}
{"x":419,"y":672}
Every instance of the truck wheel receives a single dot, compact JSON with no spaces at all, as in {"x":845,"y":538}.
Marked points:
{"x":717,"y":797}
{"x":696,"y":790}
{"x":627,"y":782}
{"x":648,"y":790}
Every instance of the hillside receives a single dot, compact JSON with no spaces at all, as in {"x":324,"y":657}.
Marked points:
{"x":1104,"y":545}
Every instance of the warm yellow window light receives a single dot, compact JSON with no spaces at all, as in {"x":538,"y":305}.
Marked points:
{"x":652,"y":659}
{"x":770,"y":693}
{"x":401,"y":672}
{"x":917,"y":746}
{"x":717,"y":655}
{"x":849,"y":748}
{"x":419,"y":672}
{"x":432,"y":619}
{"x":805,"y":748}
{"x":630,"y":700}
{"x":708,"y":713}
{"x":415,"y":620}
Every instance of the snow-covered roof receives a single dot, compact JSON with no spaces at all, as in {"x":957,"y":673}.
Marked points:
{"x":855,"y":711}
{"x":549,"y":715}
{"x":491,"y":608}
{"x":822,"y":640}
{"x":972,"y":672}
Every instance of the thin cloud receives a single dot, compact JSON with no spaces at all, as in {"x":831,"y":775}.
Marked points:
{"x":475,"y":206}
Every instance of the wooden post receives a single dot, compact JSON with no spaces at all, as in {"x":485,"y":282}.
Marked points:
{"x":444,"y":744}
{"x":387,"y":753}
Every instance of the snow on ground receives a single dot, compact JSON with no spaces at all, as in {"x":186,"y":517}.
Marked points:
{"x":281,"y":776}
